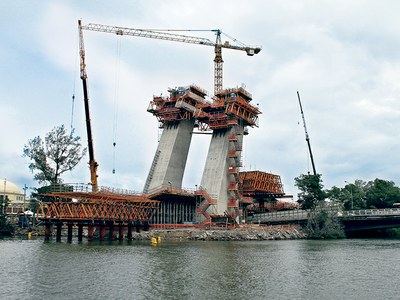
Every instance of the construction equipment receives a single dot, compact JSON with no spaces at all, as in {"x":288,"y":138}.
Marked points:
{"x":92,"y":163}
{"x":307,"y":136}
{"x":164,"y":34}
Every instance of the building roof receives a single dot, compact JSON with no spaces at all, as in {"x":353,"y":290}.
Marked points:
{"x":9,"y":187}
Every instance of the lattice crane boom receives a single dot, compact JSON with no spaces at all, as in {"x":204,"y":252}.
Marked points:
{"x":92,"y":162}
{"x":307,"y":136}
{"x":167,"y":35}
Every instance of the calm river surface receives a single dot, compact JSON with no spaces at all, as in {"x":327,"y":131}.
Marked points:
{"x":294,"y":269}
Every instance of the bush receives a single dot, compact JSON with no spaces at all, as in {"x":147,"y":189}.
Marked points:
{"x":323,"y":224}
{"x":6,"y":229}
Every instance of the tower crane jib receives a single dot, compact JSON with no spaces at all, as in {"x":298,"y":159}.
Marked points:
{"x":164,"y":34}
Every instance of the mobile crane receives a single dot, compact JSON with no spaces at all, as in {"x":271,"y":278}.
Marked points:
{"x":92,"y":162}
{"x":307,"y":136}
{"x":164,"y":34}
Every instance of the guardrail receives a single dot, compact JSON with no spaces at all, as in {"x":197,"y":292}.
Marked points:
{"x":300,"y":215}
{"x":82,"y":187}
{"x":371,"y":212}
{"x":288,"y":215}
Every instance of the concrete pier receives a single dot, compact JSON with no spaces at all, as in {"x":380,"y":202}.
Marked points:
{"x":215,"y":178}
{"x":170,"y":159}
{"x":215,"y":174}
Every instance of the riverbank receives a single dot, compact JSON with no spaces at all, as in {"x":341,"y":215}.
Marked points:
{"x":244,"y":233}
{"x":223,"y":234}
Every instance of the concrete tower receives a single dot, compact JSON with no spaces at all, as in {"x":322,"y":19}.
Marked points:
{"x":169,"y":161}
{"x":175,"y":114}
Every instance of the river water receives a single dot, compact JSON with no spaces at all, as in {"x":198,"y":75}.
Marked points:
{"x":290,"y":269}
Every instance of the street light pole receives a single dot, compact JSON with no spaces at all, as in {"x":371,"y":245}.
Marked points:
{"x":25,"y":188}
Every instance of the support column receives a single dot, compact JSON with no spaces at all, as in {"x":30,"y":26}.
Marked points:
{"x":90,"y":232}
{"x":69,"y":235}
{"x":111,"y":232}
{"x":121,"y":232}
{"x":80,"y":232}
{"x":47,"y":231}
{"x":102,"y":232}
{"x":130,"y":229}
{"x":58,"y":231}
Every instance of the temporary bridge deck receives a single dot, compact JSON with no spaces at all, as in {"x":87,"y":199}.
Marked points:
{"x":74,"y":205}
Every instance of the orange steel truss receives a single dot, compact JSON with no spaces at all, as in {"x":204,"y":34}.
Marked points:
{"x":101,"y":206}
{"x":254,"y":183}
{"x":228,"y":107}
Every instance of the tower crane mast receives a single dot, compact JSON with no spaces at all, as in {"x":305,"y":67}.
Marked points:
{"x":164,"y":34}
{"x":92,"y":162}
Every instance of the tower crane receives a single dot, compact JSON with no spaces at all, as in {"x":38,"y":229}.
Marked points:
{"x":164,"y":34}
{"x":92,"y":162}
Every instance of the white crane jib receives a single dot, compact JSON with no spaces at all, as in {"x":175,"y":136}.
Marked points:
{"x":165,"y":34}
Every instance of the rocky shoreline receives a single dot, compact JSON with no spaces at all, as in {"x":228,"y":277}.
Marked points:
{"x":244,"y":233}
{"x":222,"y":234}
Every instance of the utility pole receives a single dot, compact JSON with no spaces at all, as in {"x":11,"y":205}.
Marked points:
{"x":307,"y":136}
{"x":25,"y":188}
{"x":4,"y":196}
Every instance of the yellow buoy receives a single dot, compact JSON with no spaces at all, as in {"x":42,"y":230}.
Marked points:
{"x":29,"y":235}
{"x":159,"y":239}
{"x":153,"y":241}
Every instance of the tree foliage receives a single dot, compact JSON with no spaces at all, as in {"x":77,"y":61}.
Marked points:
{"x":324,"y":224}
{"x":376,"y":193}
{"x":6,"y":228}
{"x":311,"y":190}
{"x":57,"y":153}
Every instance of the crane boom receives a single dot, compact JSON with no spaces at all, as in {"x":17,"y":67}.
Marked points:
{"x":92,"y":162}
{"x":167,"y":35}
{"x":307,"y":136}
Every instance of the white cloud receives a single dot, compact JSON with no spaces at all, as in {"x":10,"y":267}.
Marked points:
{"x":340,"y":55}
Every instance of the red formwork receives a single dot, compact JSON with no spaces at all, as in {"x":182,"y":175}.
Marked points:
{"x":254,"y":183}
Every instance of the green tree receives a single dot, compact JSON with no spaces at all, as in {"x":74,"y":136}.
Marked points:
{"x":324,"y":224}
{"x":363,"y":195}
{"x":6,"y":228}
{"x":311,"y":193}
{"x":58,"y":153}
{"x":381,"y":193}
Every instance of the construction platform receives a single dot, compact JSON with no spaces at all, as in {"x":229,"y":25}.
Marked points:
{"x":74,"y":205}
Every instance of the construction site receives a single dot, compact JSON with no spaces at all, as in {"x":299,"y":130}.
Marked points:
{"x":226,"y":194}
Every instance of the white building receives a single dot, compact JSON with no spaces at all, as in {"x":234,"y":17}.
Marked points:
{"x":17,"y":202}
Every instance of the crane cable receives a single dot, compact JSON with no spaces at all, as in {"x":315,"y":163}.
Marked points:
{"x":73,"y":88}
{"x":116,"y":88}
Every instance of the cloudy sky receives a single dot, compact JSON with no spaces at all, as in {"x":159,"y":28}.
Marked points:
{"x":342,"y":56}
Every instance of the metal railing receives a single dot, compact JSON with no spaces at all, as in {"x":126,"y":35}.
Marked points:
{"x":299,"y":215}
{"x":371,"y":212}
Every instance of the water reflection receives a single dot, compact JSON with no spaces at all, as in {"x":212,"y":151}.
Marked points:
{"x":299,"y":269}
